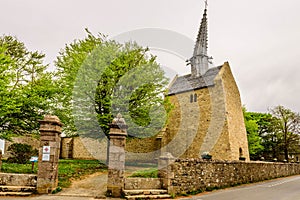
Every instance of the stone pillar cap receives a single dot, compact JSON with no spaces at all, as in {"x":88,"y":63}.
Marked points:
{"x":51,"y":119}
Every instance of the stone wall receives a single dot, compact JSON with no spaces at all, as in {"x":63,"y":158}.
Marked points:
{"x":34,"y":142}
{"x":137,"y":149}
{"x":18,"y":179}
{"x":83,"y":148}
{"x":142,"y":183}
{"x":143,"y":149}
{"x":66,"y":148}
{"x":184,"y":132}
{"x":235,"y":118}
{"x":198,"y":175}
{"x":79,"y":149}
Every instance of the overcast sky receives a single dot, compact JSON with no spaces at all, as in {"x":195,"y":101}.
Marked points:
{"x":259,"y":39}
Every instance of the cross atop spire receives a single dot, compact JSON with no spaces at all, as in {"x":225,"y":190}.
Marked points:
{"x":199,"y":61}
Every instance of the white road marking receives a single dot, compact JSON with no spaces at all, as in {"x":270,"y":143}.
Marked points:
{"x":246,"y":187}
{"x":280,"y":183}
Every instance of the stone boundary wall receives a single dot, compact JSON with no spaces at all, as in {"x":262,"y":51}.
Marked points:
{"x":18,"y":179}
{"x":66,"y":147}
{"x":142,"y":183}
{"x":80,"y":151}
{"x":83,"y":148}
{"x":34,"y":142}
{"x":145,"y":150}
{"x":197,"y":175}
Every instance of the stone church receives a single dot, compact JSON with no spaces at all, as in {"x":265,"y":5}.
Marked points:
{"x":207,"y":117}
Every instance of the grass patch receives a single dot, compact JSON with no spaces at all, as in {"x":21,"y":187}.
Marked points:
{"x":146,"y":173}
{"x":18,"y":168}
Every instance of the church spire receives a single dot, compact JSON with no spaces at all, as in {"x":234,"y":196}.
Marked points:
{"x":200,"y":59}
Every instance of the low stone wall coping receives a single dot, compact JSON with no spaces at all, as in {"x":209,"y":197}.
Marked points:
{"x":12,"y":179}
{"x":142,"y":183}
{"x":189,"y":175}
{"x":196,"y":160}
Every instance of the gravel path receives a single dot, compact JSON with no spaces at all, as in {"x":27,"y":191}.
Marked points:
{"x":93,"y":185}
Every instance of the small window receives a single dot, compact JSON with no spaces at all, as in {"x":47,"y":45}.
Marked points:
{"x":191,"y":98}
{"x":241,"y":152}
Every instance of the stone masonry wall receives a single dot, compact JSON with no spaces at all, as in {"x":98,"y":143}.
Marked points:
{"x":66,"y":150}
{"x":187,"y":124}
{"x":142,"y":183}
{"x":34,"y":142}
{"x":142,"y":149}
{"x":235,"y":117}
{"x":137,"y":149}
{"x":83,"y":148}
{"x":195,"y":174}
{"x":79,"y":149}
{"x":11,"y":179}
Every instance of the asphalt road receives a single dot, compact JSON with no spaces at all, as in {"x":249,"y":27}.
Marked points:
{"x":279,"y":189}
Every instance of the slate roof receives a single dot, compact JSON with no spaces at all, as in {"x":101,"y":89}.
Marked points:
{"x":188,"y":83}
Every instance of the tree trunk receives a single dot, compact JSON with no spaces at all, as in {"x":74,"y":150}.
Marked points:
{"x":286,"y":153}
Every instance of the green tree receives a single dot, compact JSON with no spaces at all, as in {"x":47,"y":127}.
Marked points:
{"x":267,"y":130}
{"x":101,"y":77}
{"x":278,"y":132}
{"x":26,"y":88}
{"x":68,"y":63}
{"x":254,"y":139}
{"x":287,"y":128}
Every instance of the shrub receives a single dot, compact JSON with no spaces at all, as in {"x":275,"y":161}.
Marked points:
{"x":20,"y":153}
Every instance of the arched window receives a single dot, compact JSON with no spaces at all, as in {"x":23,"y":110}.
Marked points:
{"x":195,"y":97}
{"x":241,"y":152}
{"x":191,"y":98}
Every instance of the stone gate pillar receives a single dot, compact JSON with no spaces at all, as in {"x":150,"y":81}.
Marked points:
{"x":165,"y":170}
{"x":116,"y":158}
{"x":49,"y":151}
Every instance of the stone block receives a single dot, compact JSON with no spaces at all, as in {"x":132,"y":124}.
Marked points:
{"x":18,"y":179}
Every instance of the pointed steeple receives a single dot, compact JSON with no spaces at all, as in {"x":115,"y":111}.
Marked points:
{"x":200,"y":59}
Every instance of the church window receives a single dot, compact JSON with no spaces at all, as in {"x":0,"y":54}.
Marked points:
{"x":241,"y":152}
{"x":193,"y":98}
